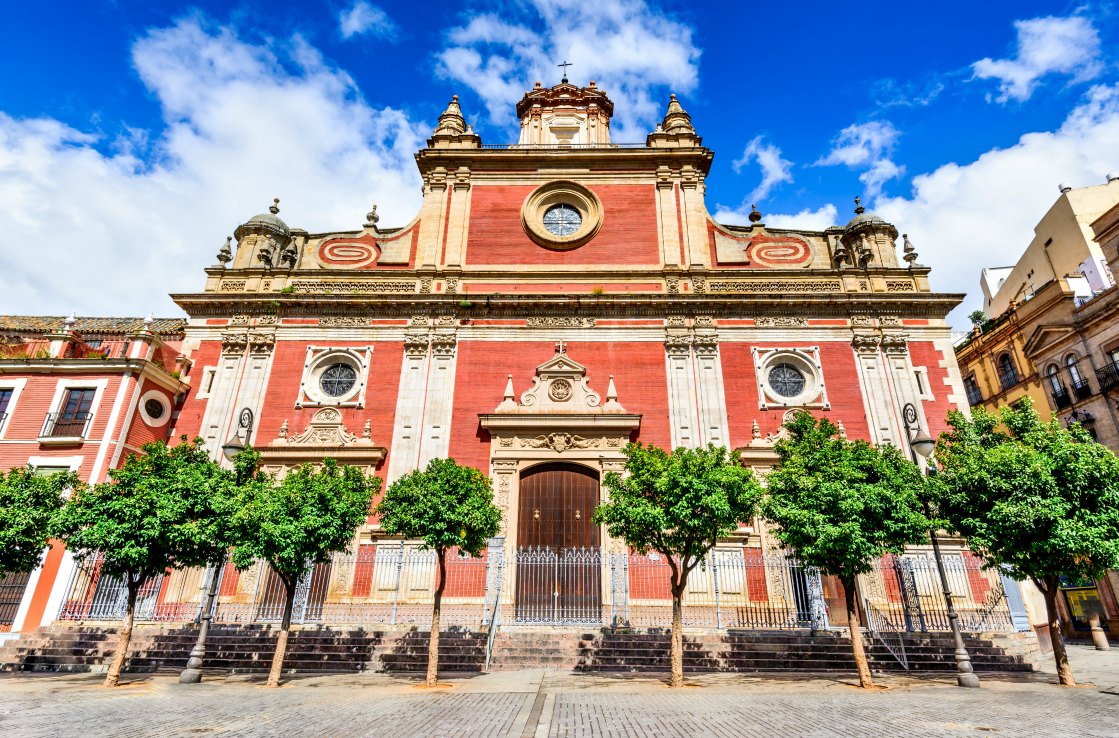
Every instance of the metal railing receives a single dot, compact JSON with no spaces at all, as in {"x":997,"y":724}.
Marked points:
{"x":1107,"y":377}
{"x":907,"y":590}
{"x":66,"y":425}
{"x":393,"y":583}
{"x":974,"y":394}
{"x":1061,"y":398}
{"x":1082,"y":389}
{"x":12,"y":588}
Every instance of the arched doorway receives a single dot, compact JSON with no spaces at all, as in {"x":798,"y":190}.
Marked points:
{"x":559,"y":565}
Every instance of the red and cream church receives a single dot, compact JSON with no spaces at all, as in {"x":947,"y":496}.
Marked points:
{"x":552,"y":300}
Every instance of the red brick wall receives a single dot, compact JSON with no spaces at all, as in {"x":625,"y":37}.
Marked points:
{"x":480,"y":375}
{"x":841,"y":381}
{"x":140,"y":432}
{"x":283,"y":390}
{"x":189,"y":422}
{"x":628,"y":234}
{"x":926,"y":354}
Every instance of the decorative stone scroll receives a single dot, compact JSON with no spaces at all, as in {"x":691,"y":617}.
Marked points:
{"x":559,"y":321}
{"x":323,"y":286}
{"x":343,"y":321}
{"x":779,"y":286}
{"x":325,"y":436}
{"x":783,"y":321}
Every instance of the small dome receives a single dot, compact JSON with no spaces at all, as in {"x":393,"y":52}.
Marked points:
{"x":862,"y":217}
{"x":269,"y":221}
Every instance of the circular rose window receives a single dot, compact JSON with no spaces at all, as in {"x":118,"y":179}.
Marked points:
{"x":562,"y":220}
{"x":561,"y":215}
{"x":786,"y":380}
{"x":337,"y":380}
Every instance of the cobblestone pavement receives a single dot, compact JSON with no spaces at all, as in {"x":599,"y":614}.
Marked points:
{"x":543,"y":703}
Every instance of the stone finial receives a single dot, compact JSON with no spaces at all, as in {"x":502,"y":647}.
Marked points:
{"x":371,"y":218}
{"x":148,"y":321}
{"x":909,"y":253}
{"x":842,"y":430}
{"x":859,"y":209}
{"x":676,"y":119}
{"x":451,"y":122}
{"x":284,"y":429}
{"x":367,"y":431}
{"x":756,"y":430}
{"x":612,"y":397}
{"x":509,"y":399}
{"x":274,"y":208}
{"x":225,"y":253}
{"x":755,"y":216}
{"x":69,"y":321}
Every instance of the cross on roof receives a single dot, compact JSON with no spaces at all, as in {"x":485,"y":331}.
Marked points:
{"x":561,"y":347}
{"x":565,"y":65}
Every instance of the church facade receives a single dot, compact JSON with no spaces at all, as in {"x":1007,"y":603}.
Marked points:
{"x":551,"y":301}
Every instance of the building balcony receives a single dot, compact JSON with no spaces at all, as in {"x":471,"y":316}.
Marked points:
{"x":1082,"y":389}
{"x":65,"y":428}
{"x":1061,"y":398}
{"x":1108,"y":377}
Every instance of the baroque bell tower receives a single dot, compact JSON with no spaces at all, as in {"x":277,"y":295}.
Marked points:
{"x":565,"y":115}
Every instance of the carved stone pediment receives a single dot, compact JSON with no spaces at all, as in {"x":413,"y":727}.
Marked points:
{"x":560,"y":387}
{"x":326,"y":436}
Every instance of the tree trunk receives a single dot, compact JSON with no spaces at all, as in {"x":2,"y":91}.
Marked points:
{"x":282,"y":640}
{"x":1060,"y":655}
{"x":433,"y":640}
{"x":677,"y":649}
{"x":112,"y":678}
{"x":857,"y":649}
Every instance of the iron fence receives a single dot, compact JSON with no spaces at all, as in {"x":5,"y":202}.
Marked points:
{"x":12,"y":587}
{"x":393,"y":583}
{"x":904,"y":593}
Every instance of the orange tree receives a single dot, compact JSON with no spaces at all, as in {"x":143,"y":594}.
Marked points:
{"x":446,"y":506}
{"x":1039,"y":500}
{"x":840,"y":505}
{"x":294,"y":523}
{"x":678,"y":504}
{"x":28,"y":504}
{"x":164,"y":508}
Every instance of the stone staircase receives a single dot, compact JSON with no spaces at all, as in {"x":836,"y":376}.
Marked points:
{"x":317,"y":650}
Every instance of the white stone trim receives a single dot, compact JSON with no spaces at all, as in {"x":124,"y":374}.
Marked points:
{"x":16,"y":385}
{"x":807,"y":361}
{"x":439,"y":406}
{"x":161,"y":398}
{"x":411,"y":397}
{"x":319,"y":358}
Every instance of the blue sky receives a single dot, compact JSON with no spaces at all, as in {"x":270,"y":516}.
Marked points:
{"x":134,"y":136}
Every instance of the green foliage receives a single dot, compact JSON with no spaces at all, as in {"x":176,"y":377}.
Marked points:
{"x":1038,"y":497}
{"x":445,"y":505}
{"x":289,"y":290}
{"x":841,"y":504}
{"x":300,"y":520}
{"x":164,"y":508}
{"x":28,"y":504}
{"x":678,"y":503}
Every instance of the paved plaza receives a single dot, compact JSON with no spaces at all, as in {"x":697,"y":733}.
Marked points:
{"x":542,"y":703}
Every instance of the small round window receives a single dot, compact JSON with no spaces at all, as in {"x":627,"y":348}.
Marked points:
{"x":154,"y":408}
{"x":338,"y":380}
{"x":786,"y":380}
{"x":562,"y":220}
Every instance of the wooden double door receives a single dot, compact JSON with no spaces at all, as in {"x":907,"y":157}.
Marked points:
{"x":559,"y":564}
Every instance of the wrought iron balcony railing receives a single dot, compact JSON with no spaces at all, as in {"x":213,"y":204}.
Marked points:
{"x":974,"y":394}
{"x":1061,"y":398}
{"x":66,"y":425}
{"x":1082,"y":389}
{"x":1108,"y":377}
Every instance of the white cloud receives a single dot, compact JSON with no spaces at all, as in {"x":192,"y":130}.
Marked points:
{"x":365,"y":18}
{"x":633,"y":51}
{"x":963,"y":217}
{"x":775,"y":170}
{"x":805,"y":220}
{"x":110,"y":233}
{"x":867,"y":146}
{"x":1068,"y":46}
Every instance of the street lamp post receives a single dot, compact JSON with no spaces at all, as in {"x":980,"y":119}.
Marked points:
{"x":921,"y":444}
{"x":192,"y":674}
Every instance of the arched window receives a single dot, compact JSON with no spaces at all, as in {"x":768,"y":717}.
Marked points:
{"x":1073,"y":369}
{"x":1008,"y":374}
{"x":1054,"y":377}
